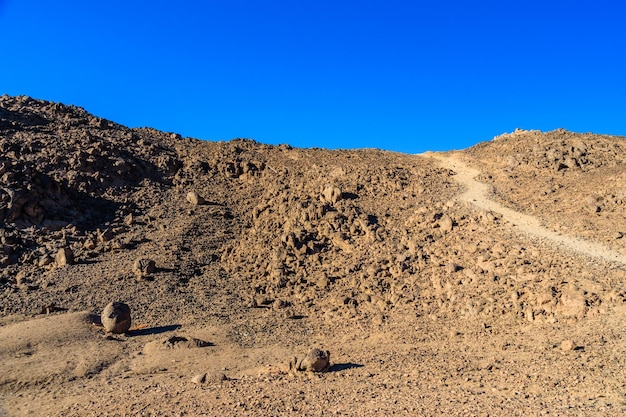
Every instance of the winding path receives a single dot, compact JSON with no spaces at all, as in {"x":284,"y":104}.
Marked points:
{"x":478,"y":193}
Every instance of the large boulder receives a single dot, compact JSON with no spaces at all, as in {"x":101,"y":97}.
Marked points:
{"x":116,"y":317}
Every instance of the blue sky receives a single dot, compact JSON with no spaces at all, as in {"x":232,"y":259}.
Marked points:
{"x":407,"y":76}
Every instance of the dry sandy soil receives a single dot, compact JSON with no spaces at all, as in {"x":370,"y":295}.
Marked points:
{"x":488,"y":281}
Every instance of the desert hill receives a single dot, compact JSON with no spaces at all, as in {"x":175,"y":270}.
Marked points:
{"x":506,"y":301}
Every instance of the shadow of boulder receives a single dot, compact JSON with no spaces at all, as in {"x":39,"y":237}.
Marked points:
{"x":338,"y":367}
{"x":154,"y":330}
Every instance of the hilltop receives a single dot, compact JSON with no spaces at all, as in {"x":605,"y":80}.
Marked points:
{"x":482,"y":281}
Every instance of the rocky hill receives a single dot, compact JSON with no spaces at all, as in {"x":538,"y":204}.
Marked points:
{"x":236,"y":256}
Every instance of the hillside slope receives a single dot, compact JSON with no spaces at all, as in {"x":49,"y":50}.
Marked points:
{"x":428,"y":302}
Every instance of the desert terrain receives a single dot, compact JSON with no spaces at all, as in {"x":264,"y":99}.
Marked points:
{"x":485,"y":281}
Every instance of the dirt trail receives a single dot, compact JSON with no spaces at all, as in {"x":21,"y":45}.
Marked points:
{"x":477,"y":193}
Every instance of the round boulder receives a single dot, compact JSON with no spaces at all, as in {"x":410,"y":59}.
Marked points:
{"x":116,"y":317}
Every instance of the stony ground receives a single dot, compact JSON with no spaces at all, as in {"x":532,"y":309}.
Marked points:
{"x":429,"y":303}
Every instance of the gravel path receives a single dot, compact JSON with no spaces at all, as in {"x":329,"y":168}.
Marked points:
{"x":478,"y":194}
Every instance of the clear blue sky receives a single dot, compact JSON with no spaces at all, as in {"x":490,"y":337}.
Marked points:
{"x":408,"y":76}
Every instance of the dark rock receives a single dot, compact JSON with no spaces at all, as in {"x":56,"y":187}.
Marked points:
{"x":116,"y":317}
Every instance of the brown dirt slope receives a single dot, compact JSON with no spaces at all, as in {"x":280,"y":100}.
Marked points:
{"x":429,"y":303}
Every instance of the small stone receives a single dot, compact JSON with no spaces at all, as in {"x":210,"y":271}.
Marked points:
{"x":322,"y":282}
{"x":195,"y":199}
{"x":316,"y":360}
{"x":199,"y":379}
{"x":571,"y":163}
{"x":64,"y":256}
{"x":105,"y":235}
{"x":593,"y":203}
{"x":572,"y":302}
{"x":21,"y":279}
{"x":49,"y":308}
{"x":446,"y":223}
{"x":144,"y":267}
{"x":567,"y":345}
{"x":512,"y":162}
{"x":45,"y":260}
{"x":489,"y":217}
{"x":216,"y":377}
{"x":331,"y":194}
{"x":98,"y":122}
{"x":89,"y":244}
{"x":116,"y":317}
{"x":451,"y":267}
{"x":209,"y":378}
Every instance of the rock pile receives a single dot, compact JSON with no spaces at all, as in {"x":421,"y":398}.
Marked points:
{"x":332,"y":234}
